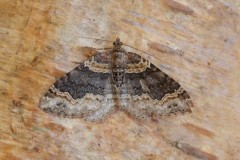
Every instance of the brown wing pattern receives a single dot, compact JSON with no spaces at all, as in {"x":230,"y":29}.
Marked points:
{"x":89,"y":91}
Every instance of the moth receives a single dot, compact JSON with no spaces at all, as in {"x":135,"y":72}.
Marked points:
{"x":112,"y":80}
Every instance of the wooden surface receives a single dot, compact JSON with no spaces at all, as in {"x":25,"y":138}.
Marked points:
{"x":195,"y":42}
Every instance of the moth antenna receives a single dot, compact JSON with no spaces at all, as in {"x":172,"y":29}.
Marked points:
{"x":103,"y":48}
{"x":139,"y":50}
{"x":96,"y":39}
{"x":122,"y":44}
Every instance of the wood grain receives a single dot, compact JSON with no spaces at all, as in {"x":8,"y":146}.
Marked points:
{"x":195,"y":42}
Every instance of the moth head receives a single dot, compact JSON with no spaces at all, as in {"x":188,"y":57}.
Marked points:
{"x":117,"y":44}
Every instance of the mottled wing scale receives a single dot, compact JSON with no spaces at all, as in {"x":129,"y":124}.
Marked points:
{"x":151,"y":92}
{"x":89,"y":90}
{"x":82,"y":92}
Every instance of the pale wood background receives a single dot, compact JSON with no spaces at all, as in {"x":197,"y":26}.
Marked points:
{"x":194,"y":41}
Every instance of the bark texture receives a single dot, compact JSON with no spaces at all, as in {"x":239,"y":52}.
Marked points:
{"x":194,"y":42}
